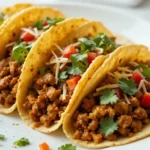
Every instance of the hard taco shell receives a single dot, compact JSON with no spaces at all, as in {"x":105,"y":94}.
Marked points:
{"x":10,"y":30}
{"x":62,"y":34}
{"x":120,"y":57}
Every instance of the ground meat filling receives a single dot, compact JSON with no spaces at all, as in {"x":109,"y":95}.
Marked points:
{"x":130,"y":116}
{"x":9,"y":73}
{"x":44,"y":101}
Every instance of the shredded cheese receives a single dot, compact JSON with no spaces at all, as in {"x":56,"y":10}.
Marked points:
{"x":125,"y":69}
{"x":57,"y":67}
{"x":64,"y":91}
{"x":134,"y":64}
{"x":126,"y":98}
{"x":100,"y":50}
{"x":59,"y":48}
{"x":62,"y":65}
{"x":60,"y":59}
{"x":76,"y":44}
{"x":111,"y":74}
{"x":144,"y":88}
{"x":36,"y":32}
{"x":10,"y":44}
{"x":97,"y":93}
{"x":107,"y":86}
{"x":46,"y":27}
{"x":123,"y":75}
{"x":29,"y":31}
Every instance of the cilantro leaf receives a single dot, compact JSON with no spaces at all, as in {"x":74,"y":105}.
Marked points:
{"x":19,"y":52}
{"x":67,"y":147}
{"x":128,"y":86}
{"x":52,"y":22}
{"x":39,"y":24}
{"x":2,"y":137}
{"x":104,"y":42}
{"x":2,"y":16}
{"x":79,"y":64}
{"x":44,"y":70}
{"x":146,"y":70}
{"x":108,"y":126}
{"x":63,"y":76}
{"x":22,"y":142}
{"x":108,"y":97}
{"x":87,"y":44}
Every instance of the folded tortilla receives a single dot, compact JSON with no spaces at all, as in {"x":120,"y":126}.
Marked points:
{"x":119,"y":58}
{"x":11,"y":10}
{"x":11,"y":30}
{"x":61,"y":35}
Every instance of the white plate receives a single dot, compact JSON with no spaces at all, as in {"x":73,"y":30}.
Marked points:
{"x":132,"y":27}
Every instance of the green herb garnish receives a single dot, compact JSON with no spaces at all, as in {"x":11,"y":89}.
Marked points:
{"x":146,"y":70}
{"x":108,"y":126}
{"x":20,"y":52}
{"x":108,"y":97}
{"x":52,"y":22}
{"x":22,"y":142}
{"x":104,"y":42}
{"x":79,"y":64}
{"x":87,"y":44}
{"x":2,"y":137}
{"x":39,"y":24}
{"x":67,"y":147}
{"x":44,"y":70}
{"x":63,"y":76}
{"x":128,"y":86}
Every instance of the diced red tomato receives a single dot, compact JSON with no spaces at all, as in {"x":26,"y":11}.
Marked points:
{"x":118,"y":92}
{"x":145,"y":102}
{"x":73,"y":82}
{"x":44,"y":146}
{"x":26,"y":36}
{"x":45,"y":23}
{"x":91,"y":57}
{"x":69,"y":50}
{"x":137,"y":77}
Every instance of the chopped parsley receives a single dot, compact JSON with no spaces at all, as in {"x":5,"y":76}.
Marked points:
{"x":100,"y":41}
{"x":2,"y":137}
{"x":39,"y":25}
{"x":44,"y":70}
{"x":128,"y":86}
{"x":63,"y":76}
{"x":67,"y":147}
{"x":52,"y":22}
{"x":87,"y":44}
{"x":108,"y":126}
{"x":22,"y":142}
{"x":79,"y":64}
{"x":145,"y":70}
{"x":104,"y":42}
{"x":19,"y":52}
{"x":108,"y":97}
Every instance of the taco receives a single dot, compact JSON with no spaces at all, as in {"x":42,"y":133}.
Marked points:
{"x":114,"y":106}
{"x":18,"y":34}
{"x":49,"y":79}
{"x":9,"y":11}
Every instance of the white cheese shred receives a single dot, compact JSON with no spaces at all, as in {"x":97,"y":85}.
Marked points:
{"x":125,"y":69}
{"x":36,"y":32}
{"x":57,"y":67}
{"x":99,"y":50}
{"x":29,"y":31}
{"x":59,"y":48}
{"x":62,"y":65}
{"x":10,"y":44}
{"x":107,"y":86}
{"x":64,"y":91}
{"x":126,"y":98}
{"x":76,"y":44}
{"x":133,"y":63}
{"x":46,"y":27}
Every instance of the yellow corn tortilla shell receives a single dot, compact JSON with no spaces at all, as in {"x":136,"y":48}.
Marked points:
{"x":10,"y":30}
{"x":15,"y":8}
{"x":120,"y":57}
{"x":62,"y":34}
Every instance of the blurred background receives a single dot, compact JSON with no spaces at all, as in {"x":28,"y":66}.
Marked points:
{"x":140,"y":8}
